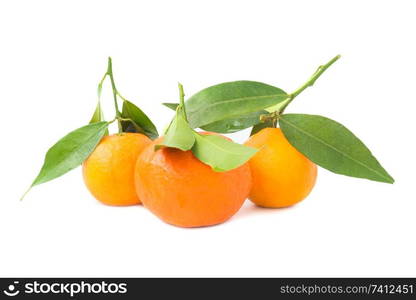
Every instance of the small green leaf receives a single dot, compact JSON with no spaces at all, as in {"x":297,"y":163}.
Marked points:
{"x":142,"y":123}
{"x":220,"y":153}
{"x":98,"y":115}
{"x":231,"y":99}
{"x":179,"y":135}
{"x":70,"y":151}
{"x":332,"y":146}
{"x":172,"y":106}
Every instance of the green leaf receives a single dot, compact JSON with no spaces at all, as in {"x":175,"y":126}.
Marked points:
{"x":70,"y":151}
{"x":98,"y":115}
{"x":230,"y":125}
{"x":231,"y":99}
{"x":179,"y":135}
{"x":236,"y":123}
{"x":332,"y":146}
{"x":172,"y":106}
{"x":142,"y":123}
{"x":220,"y":153}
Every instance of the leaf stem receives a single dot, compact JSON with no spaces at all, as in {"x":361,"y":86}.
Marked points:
{"x":121,"y":97}
{"x":112,"y":121}
{"x":115,"y":93}
{"x":182,"y":101}
{"x":100,"y":86}
{"x":321,"y":69}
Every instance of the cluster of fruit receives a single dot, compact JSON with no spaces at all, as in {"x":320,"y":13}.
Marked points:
{"x":126,"y":169}
{"x":192,"y":178}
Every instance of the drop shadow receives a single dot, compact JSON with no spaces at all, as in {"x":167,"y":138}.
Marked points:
{"x":250,"y":209}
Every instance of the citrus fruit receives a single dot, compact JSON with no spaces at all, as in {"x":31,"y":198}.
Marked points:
{"x":109,"y":170}
{"x":282,"y":176}
{"x":183,"y":191}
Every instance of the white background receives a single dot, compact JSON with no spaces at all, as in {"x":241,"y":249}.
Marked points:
{"x":52,"y":55}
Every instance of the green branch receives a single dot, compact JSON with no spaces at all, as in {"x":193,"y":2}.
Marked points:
{"x":115,"y":93}
{"x":310,"y":82}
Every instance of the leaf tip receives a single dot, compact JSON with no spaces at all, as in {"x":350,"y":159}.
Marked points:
{"x":25,"y":193}
{"x":217,"y":169}
{"x":386,"y":177}
{"x":158,"y":146}
{"x":390,"y":179}
{"x":253,"y":149}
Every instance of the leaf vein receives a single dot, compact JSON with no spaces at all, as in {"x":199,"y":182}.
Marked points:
{"x":237,"y":99}
{"x":334,"y":148}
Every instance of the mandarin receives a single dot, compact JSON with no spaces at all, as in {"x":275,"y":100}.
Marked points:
{"x":183,"y":191}
{"x":282,"y":176}
{"x":109,"y":170}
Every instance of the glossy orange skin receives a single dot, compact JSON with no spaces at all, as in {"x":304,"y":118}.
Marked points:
{"x":282,"y":176}
{"x":109,"y":170}
{"x":185,"y":192}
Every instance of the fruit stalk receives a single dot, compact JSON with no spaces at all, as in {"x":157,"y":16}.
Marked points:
{"x":115,"y":93}
{"x":182,"y":101}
